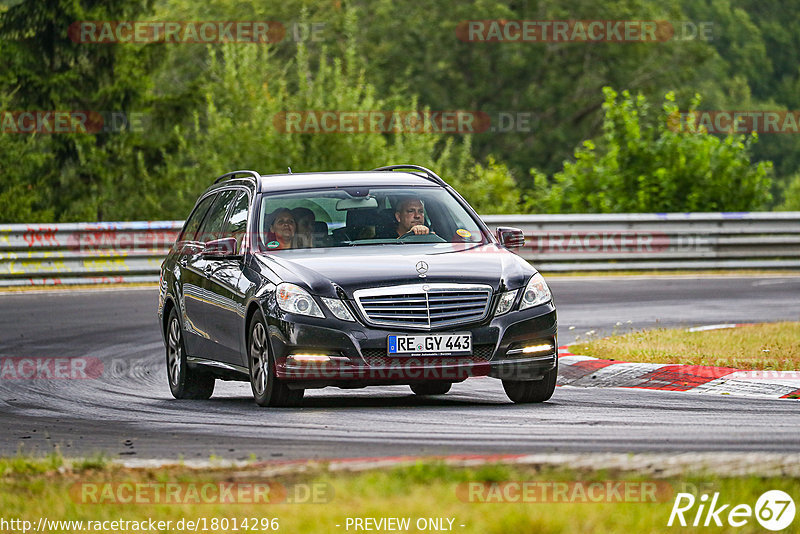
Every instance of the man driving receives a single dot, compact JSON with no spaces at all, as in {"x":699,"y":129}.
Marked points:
{"x":410,"y":215}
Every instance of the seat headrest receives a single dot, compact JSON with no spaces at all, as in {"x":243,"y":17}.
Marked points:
{"x":320,"y":228}
{"x":363,"y":217}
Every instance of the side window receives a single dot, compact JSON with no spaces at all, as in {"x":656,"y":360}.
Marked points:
{"x":236,"y":225}
{"x":192,"y":225}
{"x":214,"y":222}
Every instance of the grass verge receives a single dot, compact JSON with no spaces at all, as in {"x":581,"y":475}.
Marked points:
{"x":765,"y":346}
{"x":323,"y":501}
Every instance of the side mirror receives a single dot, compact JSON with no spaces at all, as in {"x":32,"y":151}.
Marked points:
{"x":220,"y":248}
{"x":510,"y":237}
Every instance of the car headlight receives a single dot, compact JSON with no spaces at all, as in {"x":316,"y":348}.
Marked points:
{"x":506,"y":302}
{"x":338,"y":308}
{"x":536,"y":292}
{"x":294,"y":299}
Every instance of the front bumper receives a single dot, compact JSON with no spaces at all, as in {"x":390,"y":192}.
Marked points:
{"x":312,"y":352}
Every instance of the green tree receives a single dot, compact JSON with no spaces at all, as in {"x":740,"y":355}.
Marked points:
{"x":759,"y":51}
{"x":791,"y":195}
{"x":489,"y":188}
{"x":644,"y":162}
{"x":49,"y":71}
{"x":22,"y":196}
{"x":557,"y":84}
{"x":246,"y":94}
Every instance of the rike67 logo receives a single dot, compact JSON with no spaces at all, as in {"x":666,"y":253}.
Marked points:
{"x":774,"y":510}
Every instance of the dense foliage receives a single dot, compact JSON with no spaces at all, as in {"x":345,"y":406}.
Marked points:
{"x":644,"y":164}
{"x":209,"y":108}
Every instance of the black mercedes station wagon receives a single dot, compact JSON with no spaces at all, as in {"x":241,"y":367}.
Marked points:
{"x":350,"y":279}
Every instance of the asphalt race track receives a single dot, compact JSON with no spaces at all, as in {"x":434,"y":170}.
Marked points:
{"x":128,"y":412}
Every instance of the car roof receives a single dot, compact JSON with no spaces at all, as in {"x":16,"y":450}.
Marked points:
{"x":315,"y":180}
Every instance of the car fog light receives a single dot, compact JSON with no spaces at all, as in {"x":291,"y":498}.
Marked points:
{"x":535,"y":349}
{"x":308,"y":358}
{"x":532,"y":348}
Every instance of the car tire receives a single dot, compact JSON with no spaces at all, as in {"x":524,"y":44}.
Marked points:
{"x":184,"y":383}
{"x":526,"y":392}
{"x":268,"y":390}
{"x":431,"y":388}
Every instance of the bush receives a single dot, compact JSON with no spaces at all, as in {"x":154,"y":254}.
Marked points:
{"x":490,"y":189}
{"x":238,"y":127}
{"x":644,"y":163}
{"x":791,"y":195}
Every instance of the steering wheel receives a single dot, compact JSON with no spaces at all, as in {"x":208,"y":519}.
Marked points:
{"x":423,"y":238}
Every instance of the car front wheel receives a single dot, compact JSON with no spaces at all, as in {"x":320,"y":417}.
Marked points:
{"x":525,"y":392}
{"x":184,"y":383}
{"x":267,"y":389}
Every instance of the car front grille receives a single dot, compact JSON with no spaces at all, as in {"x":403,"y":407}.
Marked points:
{"x":424,"y":306}
{"x":379,"y":358}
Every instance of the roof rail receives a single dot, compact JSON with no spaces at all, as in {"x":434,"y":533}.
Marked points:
{"x":430,"y":174}
{"x":251,"y":175}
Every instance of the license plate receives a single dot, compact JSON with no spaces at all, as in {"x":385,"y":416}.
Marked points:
{"x":433,"y":344}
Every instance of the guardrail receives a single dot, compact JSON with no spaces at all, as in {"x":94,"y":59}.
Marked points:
{"x":91,"y":253}
{"x":662,"y":241}
{"x":84,"y":253}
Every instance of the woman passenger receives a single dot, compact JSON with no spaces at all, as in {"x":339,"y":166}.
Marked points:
{"x":281,"y":229}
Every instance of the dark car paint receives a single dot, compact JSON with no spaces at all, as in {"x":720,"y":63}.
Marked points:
{"x":216,"y":296}
{"x":355,"y":268}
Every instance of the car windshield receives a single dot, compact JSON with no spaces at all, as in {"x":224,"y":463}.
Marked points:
{"x":362,"y":216}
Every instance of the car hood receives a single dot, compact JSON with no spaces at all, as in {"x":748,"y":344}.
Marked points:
{"x":353,"y":268}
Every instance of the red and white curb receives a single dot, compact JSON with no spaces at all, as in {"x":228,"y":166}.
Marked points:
{"x":585,"y":371}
